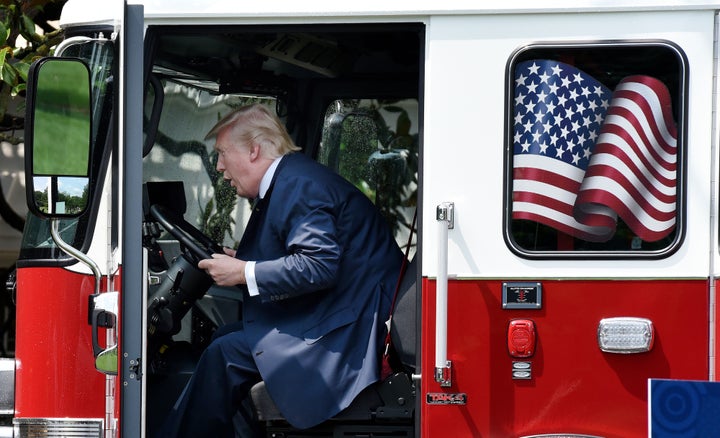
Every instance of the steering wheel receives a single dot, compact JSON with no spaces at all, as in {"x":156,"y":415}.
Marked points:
{"x":199,"y":245}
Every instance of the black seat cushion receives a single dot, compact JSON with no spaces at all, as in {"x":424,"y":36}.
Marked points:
{"x":360,"y":409}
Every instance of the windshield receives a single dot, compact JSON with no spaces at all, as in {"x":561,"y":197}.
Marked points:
{"x":99,"y":55}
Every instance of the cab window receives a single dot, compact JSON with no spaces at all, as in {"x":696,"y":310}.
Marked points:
{"x":594,"y":149}
{"x":374,"y":145}
{"x":38,"y":246}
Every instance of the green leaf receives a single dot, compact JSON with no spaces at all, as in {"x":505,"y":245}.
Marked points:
{"x":3,"y":55}
{"x":17,"y":89}
{"x":393,"y":109}
{"x":402,"y":127}
{"x":28,"y":25}
{"x":4,"y":33}
{"x":9,"y":75}
{"x":22,"y":69}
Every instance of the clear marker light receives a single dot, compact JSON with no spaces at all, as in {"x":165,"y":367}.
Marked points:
{"x":625,"y":335}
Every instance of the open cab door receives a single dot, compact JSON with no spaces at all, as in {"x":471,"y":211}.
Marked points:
{"x":83,"y":161}
{"x":132,"y":420}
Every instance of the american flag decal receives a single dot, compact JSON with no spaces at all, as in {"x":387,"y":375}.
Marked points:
{"x":582,"y":156}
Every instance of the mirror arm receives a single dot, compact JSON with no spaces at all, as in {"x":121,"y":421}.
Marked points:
{"x":100,"y":306}
{"x":78,"y":255}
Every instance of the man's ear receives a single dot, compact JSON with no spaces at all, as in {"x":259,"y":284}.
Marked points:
{"x":254,"y":152}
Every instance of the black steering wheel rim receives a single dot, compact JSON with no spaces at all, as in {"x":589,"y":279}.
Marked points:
{"x":198,"y":244}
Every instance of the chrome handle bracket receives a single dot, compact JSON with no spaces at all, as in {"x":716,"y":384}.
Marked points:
{"x":443,"y":375}
{"x":446,"y":212}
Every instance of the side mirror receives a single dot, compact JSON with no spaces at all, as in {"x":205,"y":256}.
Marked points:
{"x":103,"y":314}
{"x":57,"y":138}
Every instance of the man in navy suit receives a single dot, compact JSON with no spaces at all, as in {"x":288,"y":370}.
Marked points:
{"x":320,"y":265}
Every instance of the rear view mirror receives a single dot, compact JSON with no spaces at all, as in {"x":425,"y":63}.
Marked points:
{"x":57,"y":138}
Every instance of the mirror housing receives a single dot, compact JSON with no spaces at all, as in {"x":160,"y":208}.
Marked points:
{"x":103,"y":313}
{"x":58,"y":138}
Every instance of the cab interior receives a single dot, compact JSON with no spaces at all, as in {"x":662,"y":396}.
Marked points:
{"x":350,"y":95}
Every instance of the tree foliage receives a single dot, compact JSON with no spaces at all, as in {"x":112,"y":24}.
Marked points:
{"x":26,"y":34}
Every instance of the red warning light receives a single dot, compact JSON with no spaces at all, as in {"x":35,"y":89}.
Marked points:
{"x":521,"y":338}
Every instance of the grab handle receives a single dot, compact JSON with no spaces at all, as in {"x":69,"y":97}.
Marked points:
{"x":443,"y":367}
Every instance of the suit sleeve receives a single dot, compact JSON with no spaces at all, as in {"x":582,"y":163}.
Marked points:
{"x":304,"y":219}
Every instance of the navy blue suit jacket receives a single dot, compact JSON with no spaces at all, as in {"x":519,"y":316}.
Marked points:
{"x":326,"y":269}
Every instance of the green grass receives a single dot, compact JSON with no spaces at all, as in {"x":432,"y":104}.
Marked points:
{"x":60,"y":143}
{"x":61,"y":129}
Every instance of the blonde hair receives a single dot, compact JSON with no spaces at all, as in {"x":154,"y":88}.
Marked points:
{"x":255,"y":124}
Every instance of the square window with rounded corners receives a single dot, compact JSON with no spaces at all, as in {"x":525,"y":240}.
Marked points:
{"x":373,"y":143}
{"x":594,"y":142}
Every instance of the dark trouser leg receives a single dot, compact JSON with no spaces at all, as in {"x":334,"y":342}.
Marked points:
{"x":221,"y":381}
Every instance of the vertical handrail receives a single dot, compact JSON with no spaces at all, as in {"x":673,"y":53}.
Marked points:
{"x":75,"y":253}
{"x":445,"y":220}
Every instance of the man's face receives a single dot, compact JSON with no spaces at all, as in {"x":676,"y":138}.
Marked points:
{"x":238,"y":164}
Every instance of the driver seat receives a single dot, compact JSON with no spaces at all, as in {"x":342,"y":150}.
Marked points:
{"x":386,"y":406}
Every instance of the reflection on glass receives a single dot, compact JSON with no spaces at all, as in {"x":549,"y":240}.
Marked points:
{"x":107,"y":361}
{"x":374,"y":144}
{"x":61,"y":123}
{"x":99,"y":56}
{"x":61,"y":195}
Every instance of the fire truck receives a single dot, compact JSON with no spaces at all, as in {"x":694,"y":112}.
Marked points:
{"x":561,"y":159}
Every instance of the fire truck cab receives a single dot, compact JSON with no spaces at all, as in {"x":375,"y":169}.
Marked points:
{"x":561,"y":160}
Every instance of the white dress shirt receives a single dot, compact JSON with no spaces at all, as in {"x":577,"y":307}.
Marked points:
{"x":250,"y":266}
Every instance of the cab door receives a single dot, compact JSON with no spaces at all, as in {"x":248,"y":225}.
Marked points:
{"x":69,"y":106}
{"x":133,"y":284}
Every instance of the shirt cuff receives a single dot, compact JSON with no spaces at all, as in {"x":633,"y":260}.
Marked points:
{"x":250,"y":279}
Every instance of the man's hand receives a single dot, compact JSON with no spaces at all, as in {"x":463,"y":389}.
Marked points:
{"x":229,"y":251}
{"x":225,"y":269}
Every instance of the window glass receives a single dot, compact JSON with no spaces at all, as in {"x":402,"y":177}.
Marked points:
{"x":99,"y":56}
{"x":181,"y":153}
{"x":594,"y":146}
{"x":374,"y":145}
